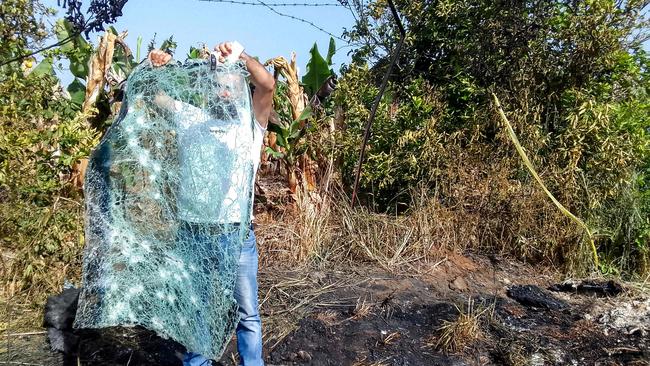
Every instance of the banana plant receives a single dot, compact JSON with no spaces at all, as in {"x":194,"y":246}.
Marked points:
{"x":83,"y":57}
{"x":123,"y":62}
{"x":290,"y":139}
{"x":287,"y":142}
{"x":318,"y":69}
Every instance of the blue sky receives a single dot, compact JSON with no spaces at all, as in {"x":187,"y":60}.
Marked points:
{"x":263,"y":33}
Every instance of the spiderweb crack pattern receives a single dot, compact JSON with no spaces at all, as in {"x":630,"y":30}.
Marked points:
{"x":168,"y":205}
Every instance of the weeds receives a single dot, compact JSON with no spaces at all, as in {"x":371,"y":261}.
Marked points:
{"x":363,"y":362}
{"x":327,"y":317}
{"x":361,"y":310}
{"x":496,"y":216}
{"x":455,"y":335}
{"x":390,"y":338}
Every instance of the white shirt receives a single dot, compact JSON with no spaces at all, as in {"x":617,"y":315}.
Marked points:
{"x":218,"y":162}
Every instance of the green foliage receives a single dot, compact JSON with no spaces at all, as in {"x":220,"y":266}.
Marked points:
{"x":318,"y":69}
{"x":43,"y":68}
{"x":168,"y":45}
{"x":123,"y":61}
{"x":289,"y":138}
{"x":41,"y":137}
{"x":77,"y":92}
{"x":331,"y":50}
{"x":404,"y":142}
{"x":22,"y":27}
{"x":293,"y":134}
{"x":78,"y":51}
{"x":573,"y":79}
{"x":138,"y":56}
{"x":195,"y":53}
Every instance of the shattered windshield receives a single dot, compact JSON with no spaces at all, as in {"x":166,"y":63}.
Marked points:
{"x":168,"y":203}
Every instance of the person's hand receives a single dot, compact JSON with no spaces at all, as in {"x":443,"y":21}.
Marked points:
{"x":225,"y":49}
{"x":159,"y":58}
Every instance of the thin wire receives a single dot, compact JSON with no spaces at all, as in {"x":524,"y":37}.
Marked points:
{"x":26,"y":55}
{"x":300,"y":20}
{"x":239,"y":2}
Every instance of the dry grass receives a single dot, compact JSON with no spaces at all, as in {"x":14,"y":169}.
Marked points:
{"x":364,"y":362}
{"x":517,"y":356}
{"x":361,"y":310}
{"x":390,"y":338}
{"x":327,"y":230}
{"x":288,"y":296}
{"x":317,"y":232}
{"x":483,"y":210}
{"x":510,"y":347}
{"x":455,"y":335}
{"x":328,"y":317}
{"x":639,"y":287}
{"x":36,"y":266}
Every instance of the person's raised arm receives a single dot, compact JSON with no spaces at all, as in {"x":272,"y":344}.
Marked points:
{"x":261,"y":78}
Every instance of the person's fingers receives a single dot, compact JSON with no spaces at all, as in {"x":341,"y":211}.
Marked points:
{"x":228,"y":46}
{"x":222,"y":59}
{"x":159,"y":58}
{"x":224,"y":50}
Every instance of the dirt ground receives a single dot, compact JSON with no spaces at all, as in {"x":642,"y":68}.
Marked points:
{"x":454,"y":312}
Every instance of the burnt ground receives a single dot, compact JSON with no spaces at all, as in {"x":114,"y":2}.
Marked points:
{"x":366,"y":316}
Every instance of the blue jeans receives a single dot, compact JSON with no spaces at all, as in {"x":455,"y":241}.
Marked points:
{"x":249,"y":329}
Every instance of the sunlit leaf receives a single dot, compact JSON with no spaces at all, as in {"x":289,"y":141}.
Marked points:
{"x":77,"y":92}
{"x":317,"y":72}
{"x":43,"y":68}
{"x":78,"y":50}
{"x":331,"y":51}
{"x":306,"y":113}
{"x":273,"y":153}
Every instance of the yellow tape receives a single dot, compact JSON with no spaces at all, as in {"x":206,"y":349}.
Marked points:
{"x":530,"y":167}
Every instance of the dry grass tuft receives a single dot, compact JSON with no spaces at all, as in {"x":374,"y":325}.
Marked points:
{"x":390,"y":338}
{"x":517,"y":356}
{"x":327,"y":317}
{"x":455,"y":335}
{"x":325,"y":230}
{"x":361,"y":310}
{"x":364,"y":362}
{"x":303,"y":234}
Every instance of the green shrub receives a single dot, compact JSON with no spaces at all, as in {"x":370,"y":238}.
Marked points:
{"x":573,"y":79}
{"x":41,"y":213}
{"x":41,"y":137}
{"x":404,"y":143}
